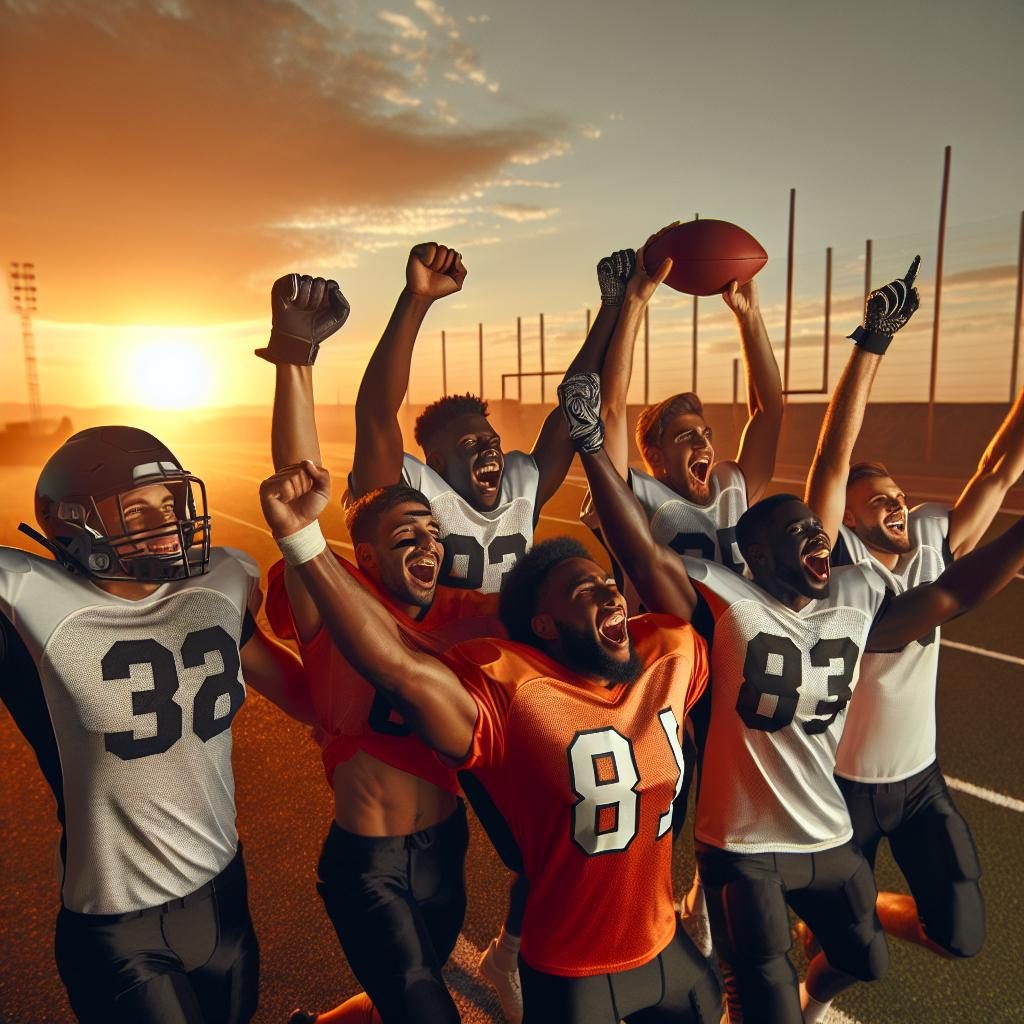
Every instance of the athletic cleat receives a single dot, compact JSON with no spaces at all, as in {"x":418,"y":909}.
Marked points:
{"x":695,"y":923}
{"x":302,"y":1017}
{"x":505,"y":983}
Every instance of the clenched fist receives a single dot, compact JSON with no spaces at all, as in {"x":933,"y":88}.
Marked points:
{"x":306,"y":311}
{"x":434,"y":271}
{"x":294,"y":497}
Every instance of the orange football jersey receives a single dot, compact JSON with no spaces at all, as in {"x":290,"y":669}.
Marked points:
{"x":584,"y":777}
{"x":351,"y":714}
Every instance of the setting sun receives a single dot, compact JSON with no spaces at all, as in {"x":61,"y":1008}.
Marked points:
{"x":169,"y":370}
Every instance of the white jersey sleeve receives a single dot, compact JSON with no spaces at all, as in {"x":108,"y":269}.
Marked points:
{"x":781,"y":683}
{"x":480,"y":547}
{"x":137,"y":700}
{"x":890,"y":726}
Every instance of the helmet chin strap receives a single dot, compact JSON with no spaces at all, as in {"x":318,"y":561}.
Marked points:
{"x":63,"y":557}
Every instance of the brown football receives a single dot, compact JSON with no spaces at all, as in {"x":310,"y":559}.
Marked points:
{"x":706,"y":256}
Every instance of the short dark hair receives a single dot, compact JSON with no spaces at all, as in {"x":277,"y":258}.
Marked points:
{"x":438,"y":414}
{"x":753,"y":523}
{"x":859,"y":470}
{"x":522,"y":584}
{"x":362,"y":516}
{"x":651,"y":424}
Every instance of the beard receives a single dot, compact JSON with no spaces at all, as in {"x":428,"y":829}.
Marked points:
{"x":585,"y":656}
{"x":879,"y":538}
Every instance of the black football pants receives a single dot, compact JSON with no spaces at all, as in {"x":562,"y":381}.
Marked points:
{"x":397,"y":904}
{"x":189,"y":961}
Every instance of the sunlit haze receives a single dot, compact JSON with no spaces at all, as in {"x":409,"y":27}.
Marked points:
{"x":166,"y":160}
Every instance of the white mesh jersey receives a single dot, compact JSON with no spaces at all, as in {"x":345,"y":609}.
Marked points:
{"x":780,"y":684}
{"x":890,"y":727}
{"x":703,"y":531}
{"x":139,"y":697}
{"x":480,"y":547}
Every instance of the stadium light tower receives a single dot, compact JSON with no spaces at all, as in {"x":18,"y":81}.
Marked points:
{"x":23,"y":298}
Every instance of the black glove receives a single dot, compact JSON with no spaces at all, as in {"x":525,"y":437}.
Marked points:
{"x":613,"y":273}
{"x":580,"y":399}
{"x":306,"y":311}
{"x":887,"y":310}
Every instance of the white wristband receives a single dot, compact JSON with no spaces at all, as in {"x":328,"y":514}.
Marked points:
{"x":304,"y":545}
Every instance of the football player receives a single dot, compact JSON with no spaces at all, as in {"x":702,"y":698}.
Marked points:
{"x":886,"y":763}
{"x":572,"y":729}
{"x":692,"y":502}
{"x":125,"y":659}
{"x":772,"y":826}
{"x":391,"y":871}
{"x":486,"y":501}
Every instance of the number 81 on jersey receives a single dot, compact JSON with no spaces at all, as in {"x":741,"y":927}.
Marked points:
{"x":605,"y":778}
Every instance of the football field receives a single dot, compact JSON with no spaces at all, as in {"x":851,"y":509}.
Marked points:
{"x":285,"y":806}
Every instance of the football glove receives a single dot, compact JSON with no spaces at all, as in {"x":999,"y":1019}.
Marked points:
{"x":306,"y":311}
{"x":580,"y":399}
{"x":613,"y":273}
{"x":887,"y":310}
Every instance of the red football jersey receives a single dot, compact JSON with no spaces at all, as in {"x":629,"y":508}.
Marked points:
{"x":584,"y":777}
{"x":351,"y":714}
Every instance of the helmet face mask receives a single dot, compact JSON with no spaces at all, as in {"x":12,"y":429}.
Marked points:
{"x":116,"y":505}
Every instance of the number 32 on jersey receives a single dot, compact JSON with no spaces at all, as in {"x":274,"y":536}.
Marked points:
{"x":606,"y":780}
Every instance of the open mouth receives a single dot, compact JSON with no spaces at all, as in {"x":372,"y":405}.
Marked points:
{"x":167,"y":547}
{"x":897,"y":522}
{"x":423,"y":569}
{"x":700,"y":468}
{"x":488,"y":475}
{"x":816,"y":563}
{"x":613,"y":628}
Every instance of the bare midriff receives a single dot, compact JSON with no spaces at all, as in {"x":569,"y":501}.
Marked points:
{"x":373,"y":799}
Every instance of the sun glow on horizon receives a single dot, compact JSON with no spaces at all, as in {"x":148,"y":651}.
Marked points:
{"x":169,"y":369}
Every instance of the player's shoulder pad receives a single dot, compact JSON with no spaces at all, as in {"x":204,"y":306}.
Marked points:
{"x":930,"y":518}
{"x":657,"y":635}
{"x":503,"y":661}
{"x":858,"y":586}
{"x":649,"y":491}
{"x":224,"y":555}
{"x":726,"y":584}
{"x":521,"y":475}
{"x":729,"y":474}
{"x":15,"y":560}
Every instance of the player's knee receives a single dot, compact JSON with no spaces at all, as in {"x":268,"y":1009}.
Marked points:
{"x":961,"y":932}
{"x":865,"y":958}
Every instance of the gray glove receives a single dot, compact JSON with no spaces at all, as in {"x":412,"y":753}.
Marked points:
{"x":306,"y":311}
{"x":580,"y":399}
{"x":613,"y":273}
{"x":887,"y":310}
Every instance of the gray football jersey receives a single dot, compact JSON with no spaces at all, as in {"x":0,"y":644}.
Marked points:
{"x":890,"y":726}
{"x":140,"y":696}
{"x":780,"y":684}
{"x":480,"y":547}
{"x":702,"y":531}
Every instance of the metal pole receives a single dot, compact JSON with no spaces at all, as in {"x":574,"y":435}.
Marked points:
{"x":480,"y":348}
{"x":519,"y":357}
{"x":23,"y":298}
{"x":693,"y":369}
{"x":444,"y":365}
{"x":867,"y":270}
{"x":934,"y":375}
{"x":543,"y":398}
{"x":735,"y":393}
{"x":647,"y":355}
{"x":828,"y":316}
{"x":588,"y":321}
{"x":1016,"y":315}
{"x":789,"y":289}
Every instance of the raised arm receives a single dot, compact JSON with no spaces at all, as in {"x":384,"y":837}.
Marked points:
{"x":840,"y":428}
{"x":999,"y":469}
{"x":967,"y":582}
{"x":760,"y":439}
{"x":432,"y":272}
{"x":553,"y":451}
{"x":617,"y":367}
{"x":305,"y":311}
{"x":887,"y":310}
{"x":427,"y":693}
{"x":656,"y":571}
